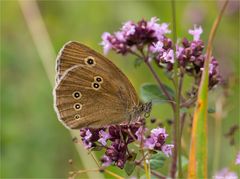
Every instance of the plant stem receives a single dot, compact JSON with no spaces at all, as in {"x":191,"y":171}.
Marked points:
{"x":147,"y":169}
{"x":74,"y":174}
{"x":182,"y":122}
{"x":189,"y":102}
{"x":160,"y":84}
{"x":113,"y":174}
{"x":162,"y":87}
{"x":178,"y":86}
{"x":158,"y":175}
{"x":145,"y":164}
{"x":94,"y":158}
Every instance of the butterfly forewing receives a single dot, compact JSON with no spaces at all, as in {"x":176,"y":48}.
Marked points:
{"x":92,"y":94}
{"x":74,"y":53}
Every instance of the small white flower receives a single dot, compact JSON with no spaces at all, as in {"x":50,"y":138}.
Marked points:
{"x":196,"y":32}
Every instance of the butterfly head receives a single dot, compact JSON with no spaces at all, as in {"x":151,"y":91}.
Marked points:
{"x":143,"y":109}
{"x":146,"y":109}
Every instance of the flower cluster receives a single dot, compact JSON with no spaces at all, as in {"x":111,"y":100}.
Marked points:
{"x":156,"y":141}
{"x":133,"y":35}
{"x":115,"y":139}
{"x":149,"y":38}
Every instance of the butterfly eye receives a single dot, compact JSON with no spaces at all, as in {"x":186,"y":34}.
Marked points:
{"x":76,"y":95}
{"x":90,"y":61}
{"x":98,"y":79}
{"x":77,"y":106}
{"x":96,"y":86}
{"x":77,"y":117}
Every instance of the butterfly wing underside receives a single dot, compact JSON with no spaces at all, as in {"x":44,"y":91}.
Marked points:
{"x":97,"y":103}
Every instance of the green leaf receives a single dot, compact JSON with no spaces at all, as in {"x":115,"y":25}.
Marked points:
{"x":157,"y":161}
{"x":152,"y":92}
{"x":198,"y":156}
{"x":132,"y":156}
{"x":129,"y":167}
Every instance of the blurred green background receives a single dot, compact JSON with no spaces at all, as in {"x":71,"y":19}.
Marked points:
{"x":33,"y":142}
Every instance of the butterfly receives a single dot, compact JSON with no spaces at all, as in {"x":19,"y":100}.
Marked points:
{"x":91,"y":91}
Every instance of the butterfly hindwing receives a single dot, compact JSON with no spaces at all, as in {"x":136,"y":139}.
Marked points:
{"x":100,"y":106}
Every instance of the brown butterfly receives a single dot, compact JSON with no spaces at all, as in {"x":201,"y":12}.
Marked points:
{"x":91,"y":91}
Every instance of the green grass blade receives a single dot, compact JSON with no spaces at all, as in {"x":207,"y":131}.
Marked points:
{"x":198,"y":150}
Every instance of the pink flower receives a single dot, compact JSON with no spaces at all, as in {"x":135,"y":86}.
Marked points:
{"x":225,"y":174}
{"x":196,"y":32}
{"x":163,"y":29}
{"x":88,"y":135}
{"x":128,"y":28}
{"x":159,"y":29}
{"x":103,"y":137}
{"x":156,"y":47}
{"x":152,"y":24}
{"x":120,"y":36}
{"x":107,"y":45}
{"x":168,"y":56}
{"x":157,"y":139}
{"x":87,"y":144}
{"x":210,"y":68}
{"x":179,"y":51}
{"x":140,"y":133}
{"x":156,"y":132}
{"x":237,"y":162}
{"x":150,"y":143}
{"x":106,"y":161}
{"x":167,"y":149}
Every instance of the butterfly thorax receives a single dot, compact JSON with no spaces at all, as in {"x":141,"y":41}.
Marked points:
{"x":143,"y":109}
